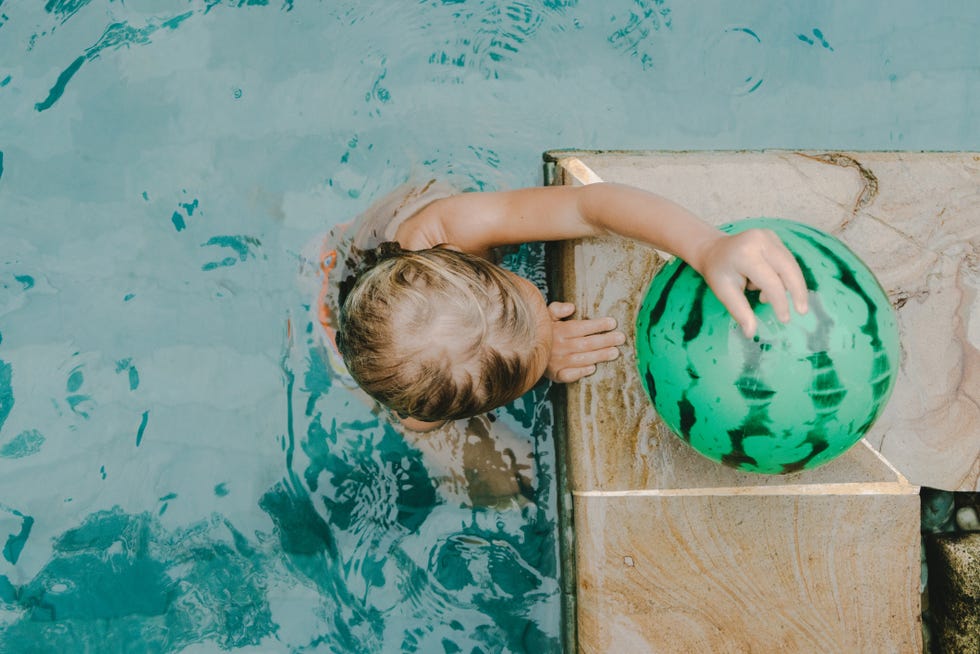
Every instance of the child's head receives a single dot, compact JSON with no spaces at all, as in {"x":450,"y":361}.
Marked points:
{"x":438,"y":334}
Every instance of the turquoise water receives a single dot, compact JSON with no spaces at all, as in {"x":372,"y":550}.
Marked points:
{"x":178,"y":469}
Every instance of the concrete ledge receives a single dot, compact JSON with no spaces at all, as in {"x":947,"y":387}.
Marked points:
{"x":915,"y":220}
{"x":675,"y":553}
{"x":723,"y":573}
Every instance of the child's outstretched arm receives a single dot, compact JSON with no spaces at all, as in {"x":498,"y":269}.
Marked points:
{"x":476,"y":222}
{"x":729,"y":264}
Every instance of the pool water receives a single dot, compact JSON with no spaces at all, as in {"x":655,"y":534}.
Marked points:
{"x":179,"y":468}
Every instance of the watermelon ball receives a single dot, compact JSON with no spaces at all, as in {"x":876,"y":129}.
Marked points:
{"x":796,"y":395}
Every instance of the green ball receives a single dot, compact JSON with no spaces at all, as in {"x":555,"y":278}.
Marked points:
{"x":796,"y":395}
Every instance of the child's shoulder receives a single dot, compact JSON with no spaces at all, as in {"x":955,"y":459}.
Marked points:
{"x":344,"y":244}
{"x":331,"y":258}
{"x":383,"y":218}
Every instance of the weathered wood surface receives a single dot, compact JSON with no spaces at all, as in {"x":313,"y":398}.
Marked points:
{"x":914,"y":219}
{"x":676,"y":553}
{"x":747,"y":574}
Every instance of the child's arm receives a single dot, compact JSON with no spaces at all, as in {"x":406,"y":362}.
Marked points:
{"x":476,"y":222}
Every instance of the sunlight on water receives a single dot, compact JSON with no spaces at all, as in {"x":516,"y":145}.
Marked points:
{"x":179,"y":468}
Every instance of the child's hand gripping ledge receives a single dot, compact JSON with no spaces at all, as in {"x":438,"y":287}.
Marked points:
{"x":578,"y":345}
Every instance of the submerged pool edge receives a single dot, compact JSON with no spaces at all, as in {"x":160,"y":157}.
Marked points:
{"x":558,"y":396}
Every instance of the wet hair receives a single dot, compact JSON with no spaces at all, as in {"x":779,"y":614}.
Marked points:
{"x":436,"y":334}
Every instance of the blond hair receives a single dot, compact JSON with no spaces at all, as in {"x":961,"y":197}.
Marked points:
{"x":437,"y":334}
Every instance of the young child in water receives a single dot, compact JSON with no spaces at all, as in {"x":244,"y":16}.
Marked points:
{"x":435,"y":331}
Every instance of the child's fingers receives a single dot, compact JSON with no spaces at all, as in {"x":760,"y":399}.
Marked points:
{"x":791,"y":276}
{"x":777,"y":272}
{"x":560,"y":310}
{"x":756,"y":260}
{"x":591,"y":343}
{"x":568,"y":375}
{"x":582,"y":359}
{"x":577,"y":328}
{"x":772,"y":287}
{"x":573,"y":358}
{"x":580,"y":328}
{"x":734,"y":300}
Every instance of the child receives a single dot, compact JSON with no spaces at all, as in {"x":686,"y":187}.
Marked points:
{"x":435,"y":331}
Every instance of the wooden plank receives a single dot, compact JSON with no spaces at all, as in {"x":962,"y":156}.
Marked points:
{"x":748,"y":574}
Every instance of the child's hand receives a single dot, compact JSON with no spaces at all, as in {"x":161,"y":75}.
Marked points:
{"x":755,"y":259}
{"x":578,"y":345}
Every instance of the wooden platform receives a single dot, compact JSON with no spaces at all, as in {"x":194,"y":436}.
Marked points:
{"x":675,"y":553}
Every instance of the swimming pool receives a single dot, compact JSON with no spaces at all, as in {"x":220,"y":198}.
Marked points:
{"x":178,"y":469}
